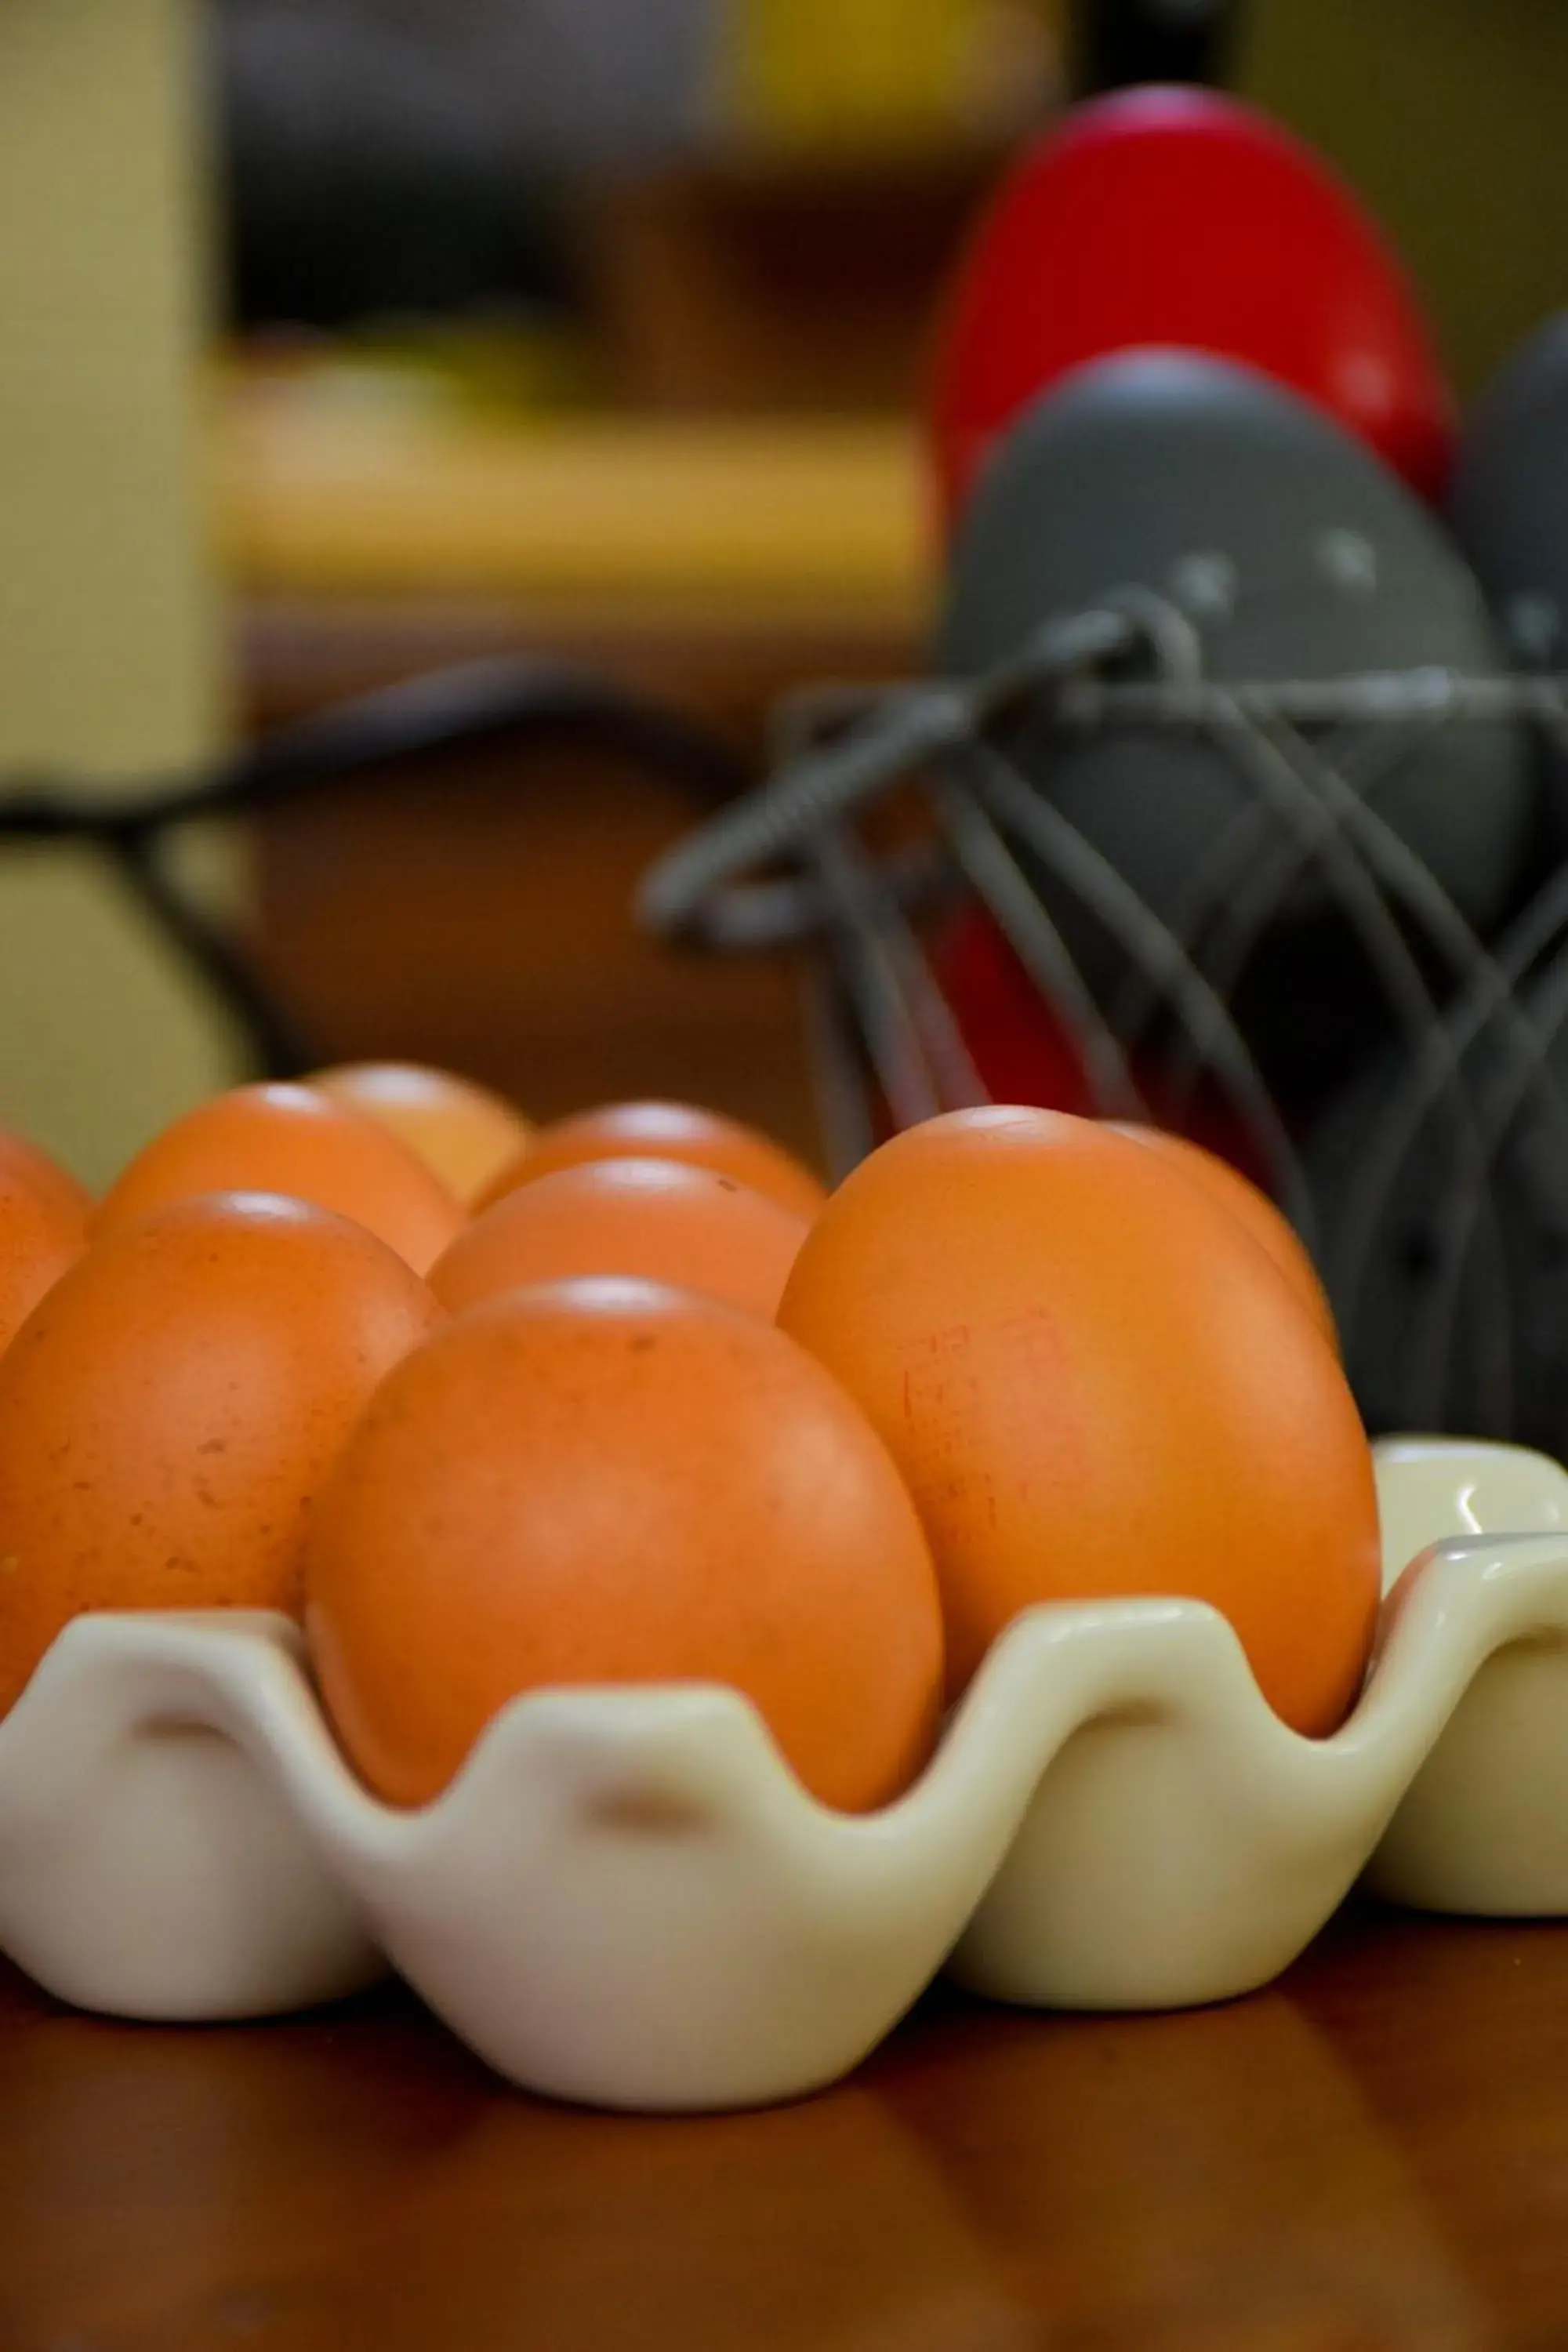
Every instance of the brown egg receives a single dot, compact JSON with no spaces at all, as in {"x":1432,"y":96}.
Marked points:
{"x":170,"y":1409}
{"x":60,"y":1191}
{"x":462,"y":1131}
{"x":43,"y":1229}
{"x":293,"y":1140}
{"x":665,"y":1130}
{"x":656,"y":1218}
{"x":1096,"y":1384}
{"x":1242,"y":1199}
{"x":613,"y":1482}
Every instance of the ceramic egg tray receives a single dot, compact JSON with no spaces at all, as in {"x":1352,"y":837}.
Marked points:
{"x":627,"y":1897}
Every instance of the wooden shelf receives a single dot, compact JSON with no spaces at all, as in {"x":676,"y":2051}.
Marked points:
{"x":740,"y":521}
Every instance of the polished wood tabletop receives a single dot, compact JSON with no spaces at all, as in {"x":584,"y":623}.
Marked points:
{"x":1371,"y":2154}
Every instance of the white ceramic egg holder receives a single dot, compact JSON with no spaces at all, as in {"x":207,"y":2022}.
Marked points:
{"x":627,"y":1898}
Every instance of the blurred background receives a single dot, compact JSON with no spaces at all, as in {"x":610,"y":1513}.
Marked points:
{"x":340,"y":339}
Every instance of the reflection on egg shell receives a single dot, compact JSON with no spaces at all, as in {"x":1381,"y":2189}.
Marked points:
{"x":667,"y":1130}
{"x":660,"y":1218}
{"x":463,"y":1132}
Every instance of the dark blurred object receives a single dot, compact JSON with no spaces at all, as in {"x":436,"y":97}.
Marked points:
{"x":789,"y":257}
{"x":1113,"y":43}
{"x":1433,"y":1198}
{"x":582,"y":85}
{"x":1445,"y":1191}
{"x":368,"y":177}
{"x":1509,"y":509}
{"x":1448,"y":116}
{"x":1287,"y":552}
{"x":544,"y":707}
{"x":388,"y":159}
{"x":795,"y":283}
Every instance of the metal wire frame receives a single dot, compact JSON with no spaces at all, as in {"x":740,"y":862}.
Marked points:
{"x":787,"y":865}
{"x":535,"y":704}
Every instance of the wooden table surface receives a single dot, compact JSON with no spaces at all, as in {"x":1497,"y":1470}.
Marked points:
{"x":1372,"y":2154}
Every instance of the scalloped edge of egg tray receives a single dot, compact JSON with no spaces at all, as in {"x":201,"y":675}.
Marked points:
{"x":627,"y":1898}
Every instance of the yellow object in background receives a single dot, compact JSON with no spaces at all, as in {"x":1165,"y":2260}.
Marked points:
{"x":108,"y":619}
{"x":869,"y":74}
{"x":818,"y":518}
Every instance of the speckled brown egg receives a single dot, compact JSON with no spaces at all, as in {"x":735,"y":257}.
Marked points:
{"x":603,"y":1481}
{"x":170,"y":1409}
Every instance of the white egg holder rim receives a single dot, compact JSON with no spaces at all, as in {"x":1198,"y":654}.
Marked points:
{"x":627,"y":1899}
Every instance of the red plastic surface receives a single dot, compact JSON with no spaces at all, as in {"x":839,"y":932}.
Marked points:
{"x":1180,"y":218}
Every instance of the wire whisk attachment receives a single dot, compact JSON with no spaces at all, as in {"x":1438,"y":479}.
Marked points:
{"x":1208,"y":911}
